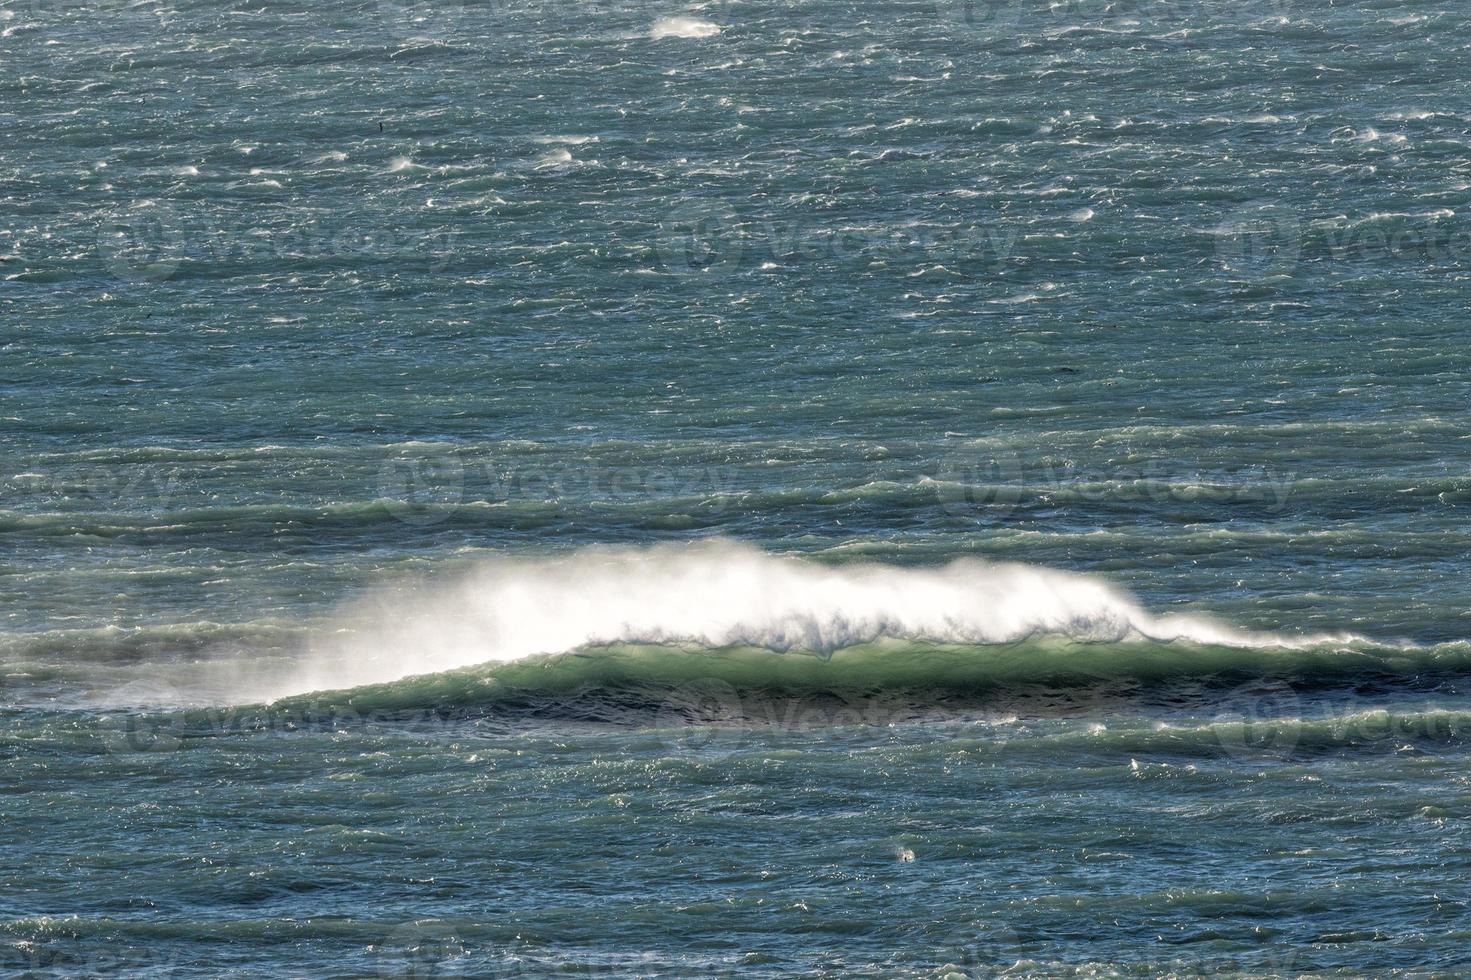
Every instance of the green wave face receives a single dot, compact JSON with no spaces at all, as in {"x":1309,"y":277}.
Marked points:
{"x":884,"y":681}
{"x":628,"y":634}
{"x":1032,"y":702}
{"x":723,"y":596}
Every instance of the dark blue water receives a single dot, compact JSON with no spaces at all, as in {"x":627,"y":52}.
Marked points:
{"x":818,"y":489}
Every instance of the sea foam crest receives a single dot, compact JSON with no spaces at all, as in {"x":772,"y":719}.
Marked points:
{"x":683,"y":27}
{"x":721,"y":594}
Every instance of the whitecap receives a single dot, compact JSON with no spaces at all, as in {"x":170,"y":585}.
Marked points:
{"x":682,"y":27}
{"x":721,"y":594}
{"x":556,"y":158}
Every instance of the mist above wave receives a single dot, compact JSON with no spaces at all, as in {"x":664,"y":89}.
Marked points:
{"x":723,"y":594}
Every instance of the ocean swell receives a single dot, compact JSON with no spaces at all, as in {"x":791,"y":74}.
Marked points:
{"x":723,"y":595}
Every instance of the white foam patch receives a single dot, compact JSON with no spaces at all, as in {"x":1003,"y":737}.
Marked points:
{"x":720,"y":594}
{"x":556,"y":158}
{"x":683,"y":27}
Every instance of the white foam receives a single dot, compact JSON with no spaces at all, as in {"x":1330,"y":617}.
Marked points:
{"x":719,"y":594}
{"x":556,"y":158}
{"x":683,"y":27}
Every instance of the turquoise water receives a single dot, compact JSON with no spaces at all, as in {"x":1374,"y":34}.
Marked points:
{"x":810,"y":489}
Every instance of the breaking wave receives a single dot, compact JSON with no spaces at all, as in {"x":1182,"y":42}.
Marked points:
{"x":691,"y":27}
{"x":785,"y":616}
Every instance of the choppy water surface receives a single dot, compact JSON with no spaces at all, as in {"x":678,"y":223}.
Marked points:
{"x":820,"y":489}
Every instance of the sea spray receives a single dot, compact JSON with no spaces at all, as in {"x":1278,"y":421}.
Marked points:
{"x":721,"y":594}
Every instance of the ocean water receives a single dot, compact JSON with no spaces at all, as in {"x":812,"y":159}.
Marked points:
{"x":824,"y":489}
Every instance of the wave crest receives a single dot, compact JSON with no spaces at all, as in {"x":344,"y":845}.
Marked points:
{"x":722,"y":595}
{"x":690,"y":27}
